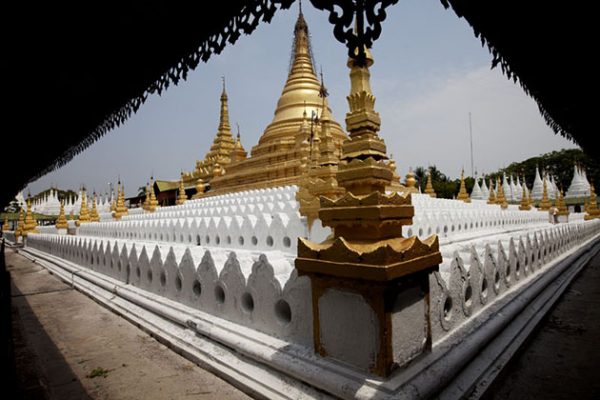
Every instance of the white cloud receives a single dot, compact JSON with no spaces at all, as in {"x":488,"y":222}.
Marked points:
{"x":433,"y":127}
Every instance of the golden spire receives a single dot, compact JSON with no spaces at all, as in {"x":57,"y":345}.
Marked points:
{"x":61,"y":222}
{"x":182,"y":198}
{"x":238,"y":153}
{"x":591,"y":207}
{"x":5,"y":226}
{"x":94,"y":217}
{"x":429,"y":186}
{"x":301,"y":89}
{"x":524,"y":206}
{"x":544,"y":203}
{"x":20,"y":224}
{"x":30,"y":224}
{"x":366,"y":251}
{"x":120,"y":208}
{"x":462,"y":193}
{"x":492,"y":196}
{"x":500,"y":198}
{"x":152,"y":203}
{"x":84,"y":215}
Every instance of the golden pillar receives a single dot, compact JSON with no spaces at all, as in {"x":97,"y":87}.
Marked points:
{"x":364,"y":275}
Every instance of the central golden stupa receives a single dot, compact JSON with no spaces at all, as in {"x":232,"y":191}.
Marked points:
{"x":283,"y":151}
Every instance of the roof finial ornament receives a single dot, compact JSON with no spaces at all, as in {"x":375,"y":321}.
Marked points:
{"x":223,"y":80}
{"x":300,"y":7}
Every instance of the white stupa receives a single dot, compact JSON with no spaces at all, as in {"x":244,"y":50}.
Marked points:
{"x":518,"y":190}
{"x":508,"y":194}
{"x":513,"y":189}
{"x":484,"y":189}
{"x":579,"y":186}
{"x":538,"y":186}
{"x":476,"y":193}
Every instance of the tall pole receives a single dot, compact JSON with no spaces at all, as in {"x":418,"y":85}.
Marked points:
{"x":471,"y":136}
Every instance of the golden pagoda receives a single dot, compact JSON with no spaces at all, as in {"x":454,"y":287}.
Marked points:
{"x":61,"y":222}
{"x":84,"y":212}
{"x":591,"y":208}
{"x":30,"y":224}
{"x":366,"y":255}
{"x":561,"y":205}
{"x":20,"y":224}
{"x":462,"y":193}
{"x":152,"y":202}
{"x":222,"y":150}
{"x":277,"y":159}
{"x":120,"y":209}
{"x":429,"y":186}
{"x":524,"y":206}
{"x":5,"y":226}
{"x":544,"y":203}
{"x":182,"y":197}
{"x":500,"y":198}
{"x":319,"y":178}
{"x":94,"y":217}
{"x":492,"y":196}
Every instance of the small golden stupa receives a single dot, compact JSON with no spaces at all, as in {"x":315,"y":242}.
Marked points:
{"x":5,"y":226}
{"x":591,"y":208}
{"x":30,"y":224}
{"x":462,"y":193}
{"x":429,"y":186}
{"x":524,"y":206}
{"x":500,"y":198}
{"x":492,"y":196}
{"x":94,"y":217}
{"x":120,"y":209}
{"x":61,"y":222}
{"x":84,"y":212}
{"x":152,"y":202}
{"x":544,"y":203}
{"x":182,"y":197}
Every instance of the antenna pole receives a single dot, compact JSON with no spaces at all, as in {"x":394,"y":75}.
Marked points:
{"x":471,"y":137}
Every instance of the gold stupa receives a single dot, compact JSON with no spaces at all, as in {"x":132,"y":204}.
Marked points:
{"x":429,"y":186}
{"x":223,"y":151}
{"x":277,"y":159}
{"x":591,"y":207}
{"x":544,"y":203}
{"x":462,"y":193}
{"x":61,"y":222}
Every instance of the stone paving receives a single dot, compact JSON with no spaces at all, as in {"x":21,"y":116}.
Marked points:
{"x":69,"y":347}
{"x":561,"y":360}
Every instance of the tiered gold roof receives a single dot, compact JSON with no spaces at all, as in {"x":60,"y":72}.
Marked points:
{"x":223,"y":151}
{"x":277,"y":159}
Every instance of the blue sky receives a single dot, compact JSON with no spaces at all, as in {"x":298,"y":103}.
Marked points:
{"x":429,"y":73}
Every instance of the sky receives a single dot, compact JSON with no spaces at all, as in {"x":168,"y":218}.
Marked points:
{"x":430,"y":72}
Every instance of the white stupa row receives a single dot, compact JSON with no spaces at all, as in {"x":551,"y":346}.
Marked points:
{"x":50,"y":204}
{"x":513,"y":192}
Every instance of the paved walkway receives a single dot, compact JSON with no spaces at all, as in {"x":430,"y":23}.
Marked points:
{"x":562,"y":359}
{"x":69,"y":347}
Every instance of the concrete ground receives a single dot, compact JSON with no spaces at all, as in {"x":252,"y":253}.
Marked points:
{"x":66,"y":346}
{"x":562,"y":359}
